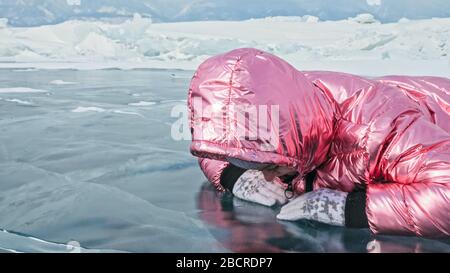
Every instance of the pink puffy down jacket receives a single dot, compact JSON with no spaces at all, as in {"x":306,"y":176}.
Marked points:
{"x":388,"y":135}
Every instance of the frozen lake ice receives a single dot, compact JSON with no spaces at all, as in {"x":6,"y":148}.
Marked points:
{"x":87,"y":158}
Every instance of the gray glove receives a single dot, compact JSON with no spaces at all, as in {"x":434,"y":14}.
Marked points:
{"x":323,"y":205}
{"x":251,"y":186}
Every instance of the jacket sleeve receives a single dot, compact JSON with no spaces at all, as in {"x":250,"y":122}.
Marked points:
{"x":413,"y":198}
{"x":221,"y":174}
{"x":213,"y":170}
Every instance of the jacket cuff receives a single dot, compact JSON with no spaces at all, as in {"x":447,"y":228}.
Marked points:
{"x":355,"y":210}
{"x":230,"y":175}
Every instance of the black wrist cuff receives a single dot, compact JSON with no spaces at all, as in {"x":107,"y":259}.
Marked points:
{"x":355,"y":210}
{"x":230,"y":175}
{"x":309,"y":181}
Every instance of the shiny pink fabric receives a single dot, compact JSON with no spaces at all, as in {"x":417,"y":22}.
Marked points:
{"x":389,"y":134}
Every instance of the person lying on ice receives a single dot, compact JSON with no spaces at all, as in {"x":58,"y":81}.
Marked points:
{"x":331,"y":147}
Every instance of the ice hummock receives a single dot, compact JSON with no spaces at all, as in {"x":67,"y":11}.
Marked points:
{"x":355,"y":45}
{"x":364,"y":18}
{"x":38,"y":12}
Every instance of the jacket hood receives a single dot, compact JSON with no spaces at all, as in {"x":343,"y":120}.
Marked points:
{"x":253,"y":106}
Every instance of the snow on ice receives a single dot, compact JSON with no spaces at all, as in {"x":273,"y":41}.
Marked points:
{"x":10,"y":90}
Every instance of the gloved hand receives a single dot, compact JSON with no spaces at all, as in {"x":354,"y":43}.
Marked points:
{"x":251,"y":186}
{"x":323,"y":205}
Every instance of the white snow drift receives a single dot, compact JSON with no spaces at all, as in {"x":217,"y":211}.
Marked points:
{"x":10,"y":90}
